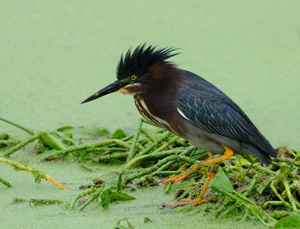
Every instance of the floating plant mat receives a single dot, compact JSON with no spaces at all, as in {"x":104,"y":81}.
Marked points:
{"x":242,"y":189}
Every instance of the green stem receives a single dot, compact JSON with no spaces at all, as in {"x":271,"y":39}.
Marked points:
{"x":119,"y":182}
{"x":22,"y":144}
{"x":166,"y":173}
{"x":268,"y":171}
{"x":150,"y":123}
{"x":9,"y":143}
{"x":168,"y":188}
{"x":168,"y":164}
{"x":276,"y":203}
{"x":139,"y":148}
{"x":17,"y":125}
{"x":137,"y":160}
{"x":49,"y":140}
{"x":245,"y":199}
{"x":287,"y":160}
{"x":276,"y":164}
{"x":291,"y":166}
{"x":247,"y":203}
{"x":289,"y":194}
{"x":151,"y":169}
{"x":82,"y":194}
{"x":174,"y":139}
{"x":95,"y":195}
{"x":127,"y":137}
{"x":251,"y":185}
{"x":279,"y":196}
{"x":46,"y":138}
{"x":113,"y":156}
{"x":255,"y":208}
{"x":131,"y":152}
{"x":165,"y":166}
{"x":5,"y":182}
{"x":225,"y":193}
{"x":248,"y":170}
{"x":200,"y":155}
{"x":94,"y":145}
{"x":187,"y":159}
{"x":147,"y":135}
{"x":260,"y":219}
{"x":156,"y":143}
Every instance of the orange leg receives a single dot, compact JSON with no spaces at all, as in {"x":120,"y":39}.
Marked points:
{"x":210,"y":175}
{"x":227,"y":154}
{"x":201,"y":199}
{"x":210,"y":154}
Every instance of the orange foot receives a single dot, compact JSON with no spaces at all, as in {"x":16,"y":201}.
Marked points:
{"x":200,"y":199}
{"x":213,"y":160}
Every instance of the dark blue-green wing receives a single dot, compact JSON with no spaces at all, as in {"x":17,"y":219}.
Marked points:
{"x":210,"y":109}
{"x":211,"y":113}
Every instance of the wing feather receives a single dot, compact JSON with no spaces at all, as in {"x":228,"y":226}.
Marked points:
{"x":211,"y":110}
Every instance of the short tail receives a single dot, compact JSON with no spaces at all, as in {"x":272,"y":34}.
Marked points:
{"x":262,"y":155}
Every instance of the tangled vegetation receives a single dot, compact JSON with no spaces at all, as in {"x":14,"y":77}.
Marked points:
{"x":243,"y":188}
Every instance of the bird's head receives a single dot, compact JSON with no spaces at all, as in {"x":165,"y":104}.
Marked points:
{"x":135,"y":71}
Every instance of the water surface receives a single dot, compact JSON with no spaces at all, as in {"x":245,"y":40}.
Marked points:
{"x":54,"y":54}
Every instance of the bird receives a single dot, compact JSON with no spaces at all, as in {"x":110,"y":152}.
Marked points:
{"x":188,"y":106}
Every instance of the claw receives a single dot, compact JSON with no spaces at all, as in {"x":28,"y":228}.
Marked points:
{"x":200,"y":199}
{"x":196,"y":202}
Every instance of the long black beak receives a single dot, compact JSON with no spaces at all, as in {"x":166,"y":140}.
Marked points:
{"x":115,"y":86}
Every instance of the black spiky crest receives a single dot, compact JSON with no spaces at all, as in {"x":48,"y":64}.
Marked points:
{"x":138,"y":61}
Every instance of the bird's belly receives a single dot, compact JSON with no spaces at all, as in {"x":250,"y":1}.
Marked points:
{"x":209,"y":141}
{"x":205,"y":143}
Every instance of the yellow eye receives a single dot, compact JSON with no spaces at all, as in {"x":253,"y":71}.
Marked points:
{"x":133,"y":77}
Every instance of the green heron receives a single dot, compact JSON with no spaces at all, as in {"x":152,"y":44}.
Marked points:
{"x":188,"y":106}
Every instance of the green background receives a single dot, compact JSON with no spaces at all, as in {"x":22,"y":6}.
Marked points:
{"x":54,"y":54}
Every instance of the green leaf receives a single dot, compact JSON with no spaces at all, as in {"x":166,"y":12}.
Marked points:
{"x":221,"y":181}
{"x":129,"y":224}
{"x":64,"y":128}
{"x":119,"y":183}
{"x":66,"y":139}
{"x":147,"y":220}
{"x":264,"y":185}
{"x":289,"y":222}
{"x":105,"y":197}
{"x":90,"y":131}
{"x":119,"y":196}
{"x":184,"y":185}
{"x":118,"y":134}
{"x":121,"y":226}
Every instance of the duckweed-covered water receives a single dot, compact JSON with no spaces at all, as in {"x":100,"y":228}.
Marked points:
{"x":55,"y":54}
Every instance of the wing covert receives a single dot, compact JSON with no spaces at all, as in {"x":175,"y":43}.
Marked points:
{"x":213,"y":113}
